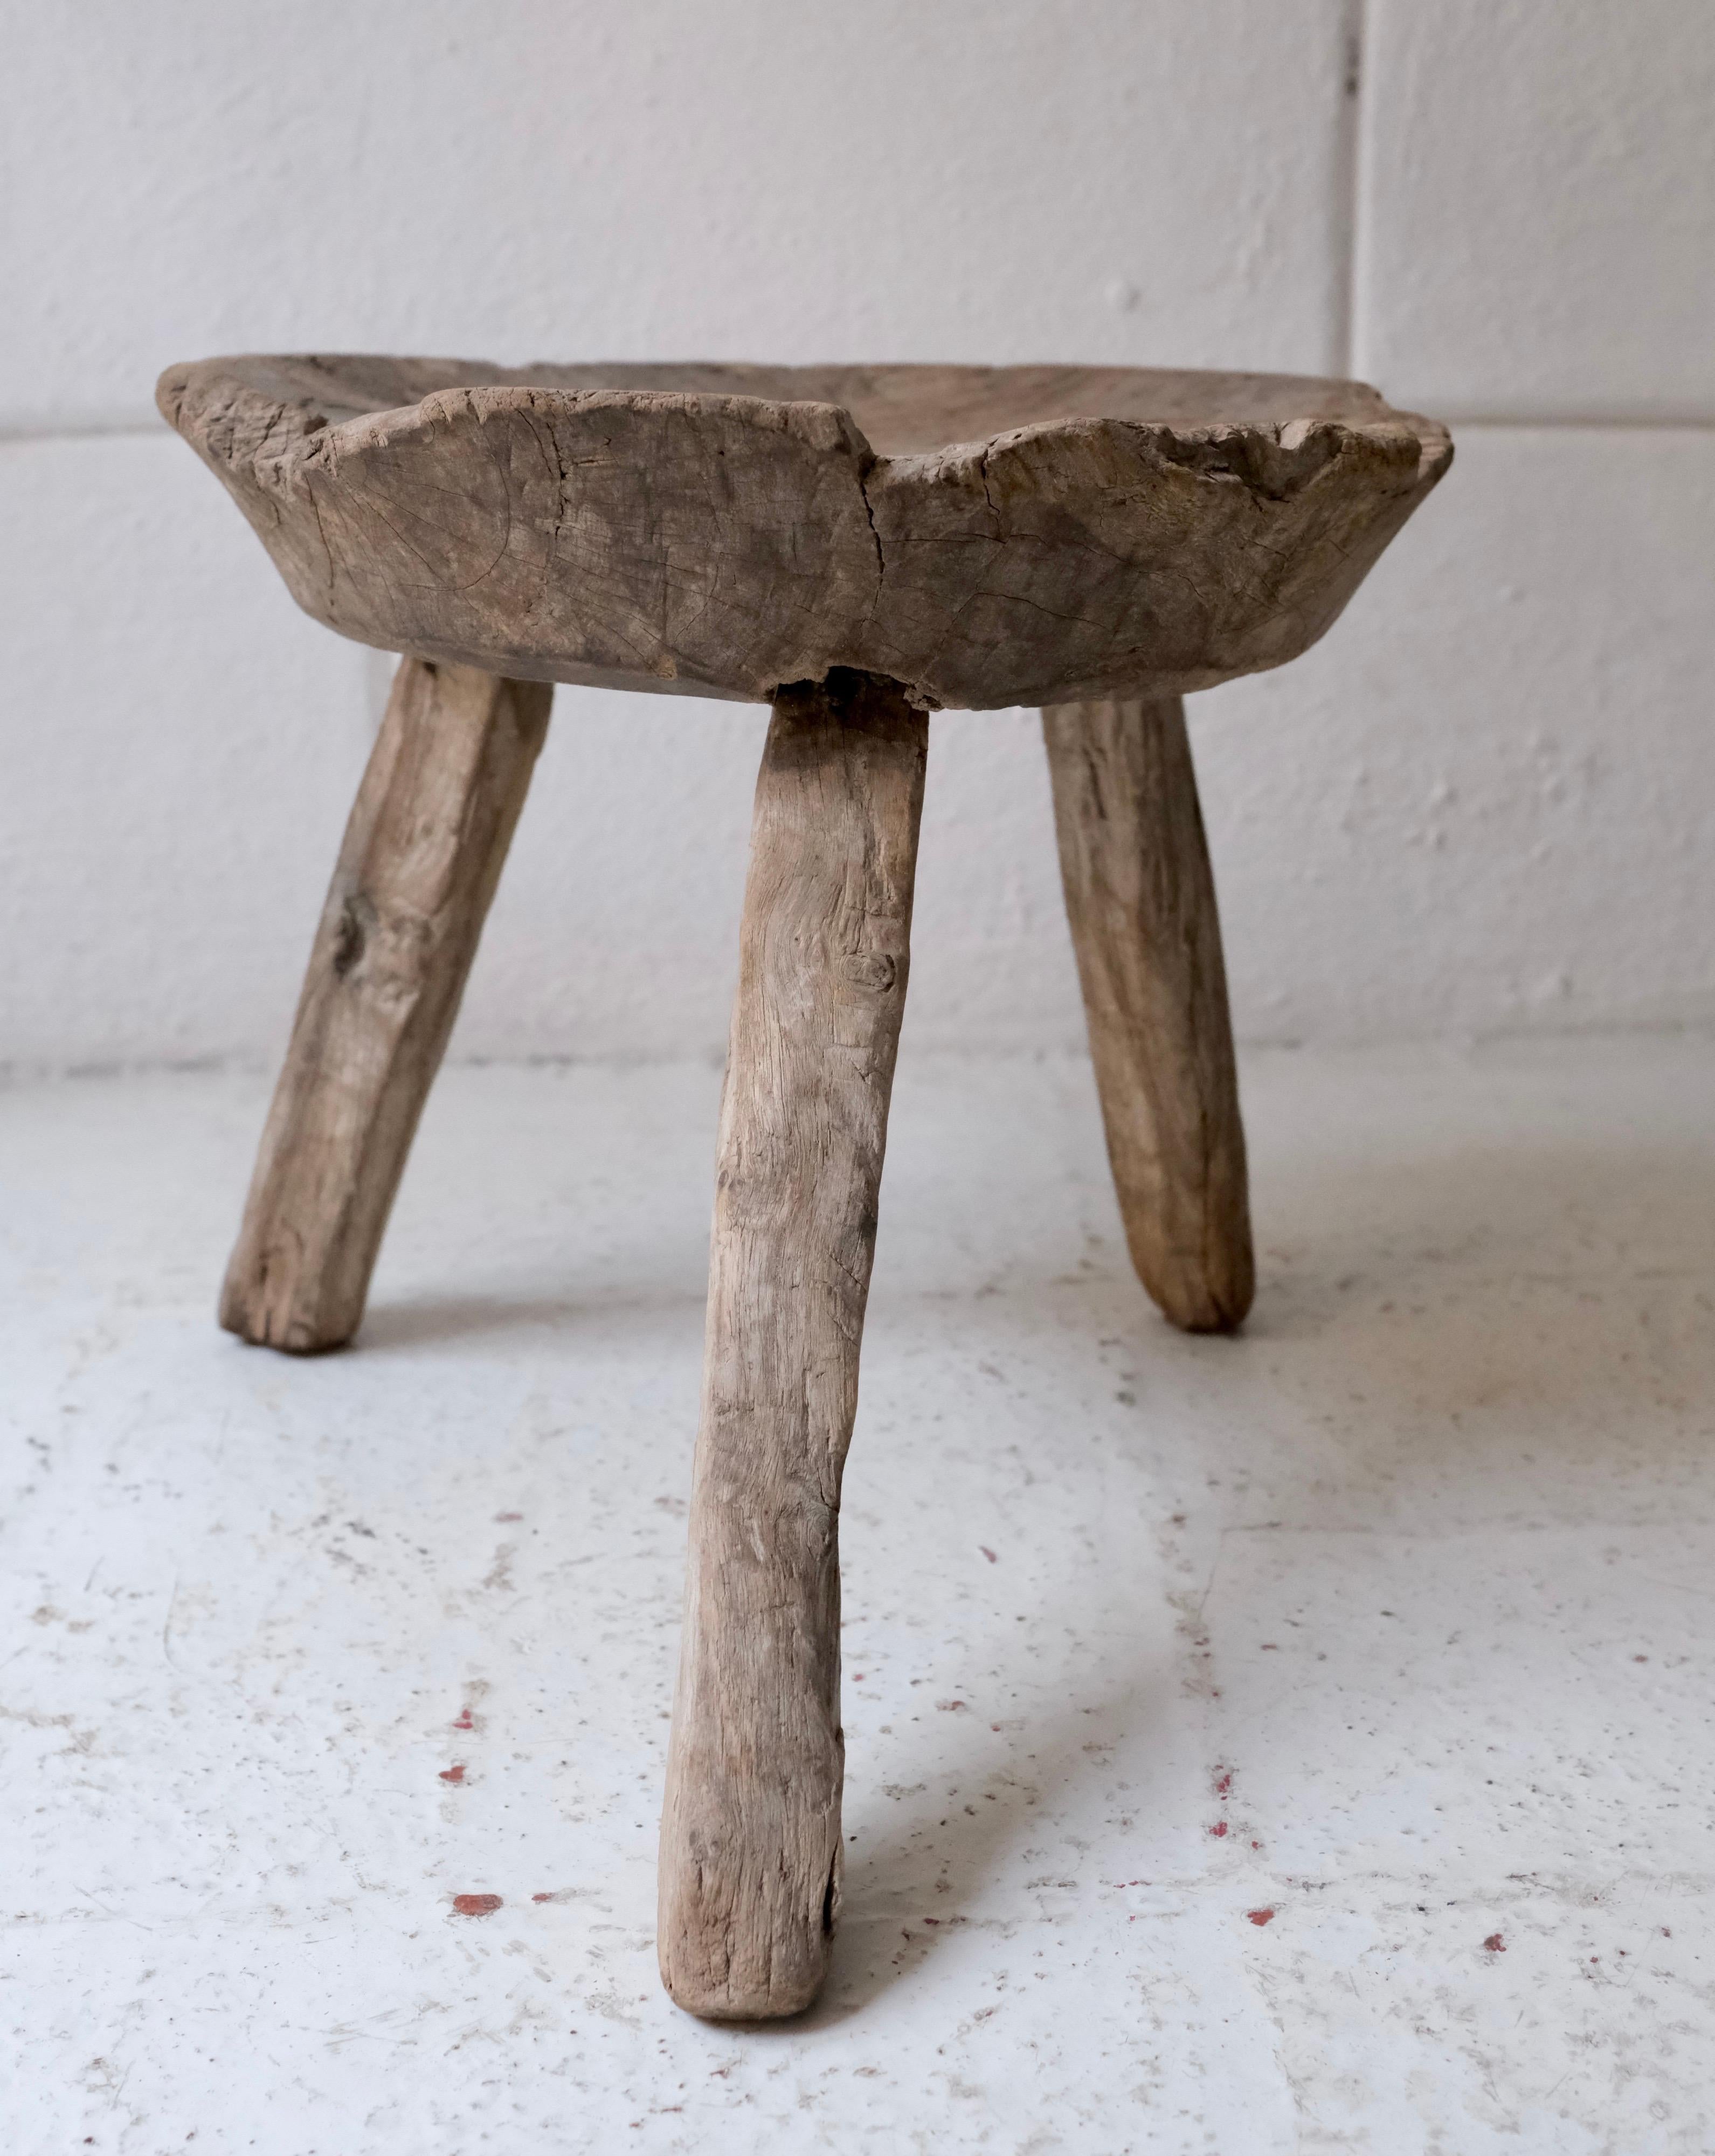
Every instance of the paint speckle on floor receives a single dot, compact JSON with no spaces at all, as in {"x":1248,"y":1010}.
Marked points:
{"x":1479,"y":1380}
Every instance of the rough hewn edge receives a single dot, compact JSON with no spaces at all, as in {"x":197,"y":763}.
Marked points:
{"x":267,"y":450}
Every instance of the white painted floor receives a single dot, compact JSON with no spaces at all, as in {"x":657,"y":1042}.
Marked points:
{"x":1296,"y":1744}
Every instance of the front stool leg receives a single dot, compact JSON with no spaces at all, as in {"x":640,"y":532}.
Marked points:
{"x":1140,"y":895}
{"x":750,"y":1833}
{"x":423,"y":852}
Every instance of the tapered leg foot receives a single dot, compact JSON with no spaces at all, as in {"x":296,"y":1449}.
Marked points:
{"x":1140,"y":895}
{"x":423,"y":852}
{"x":750,"y":1834}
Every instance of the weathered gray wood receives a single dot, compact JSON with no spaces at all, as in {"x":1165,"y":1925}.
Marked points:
{"x":422,"y":854}
{"x":751,"y":1835}
{"x":908,"y":538}
{"x":984,"y":536}
{"x":1140,"y":895}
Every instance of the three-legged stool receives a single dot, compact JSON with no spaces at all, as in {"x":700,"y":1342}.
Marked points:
{"x":857,"y":546}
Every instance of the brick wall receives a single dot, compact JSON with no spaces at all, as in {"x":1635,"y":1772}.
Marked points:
{"x":1486,"y":802}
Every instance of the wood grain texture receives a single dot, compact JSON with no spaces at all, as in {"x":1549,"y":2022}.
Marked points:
{"x":1140,"y":896}
{"x":423,"y":852}
{"x":751,"y":1835}
{"x":984,"y":536}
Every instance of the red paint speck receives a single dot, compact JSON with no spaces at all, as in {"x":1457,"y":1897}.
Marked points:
{"x":1270,"y":1647}
{"x":464,"y":1721}
{"x":952,"y":1706}
{"x":453,"y":1774}
{"x":541,"y":1897}
{"x":476,"y":1905}
{"x":857,"y":1676}
{"x":1223,"y":1781}
{"x":1219,"y":1829}
{"x":1494,"y":1943}
{"x":988,"y":1553}
{"x":502,"y":1517}
{"x":1260,"y":1916}
{"x":1640,"y":1658}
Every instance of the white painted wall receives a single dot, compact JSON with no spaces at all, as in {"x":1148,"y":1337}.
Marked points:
{"x":1486,"y":802}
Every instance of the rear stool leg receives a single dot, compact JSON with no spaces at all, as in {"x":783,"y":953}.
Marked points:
{"x":423,"y":852}
{"x":750,"y":1833}
{"x":1140,"y":895}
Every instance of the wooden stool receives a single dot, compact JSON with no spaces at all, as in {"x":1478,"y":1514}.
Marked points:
{"x":857,"y":546}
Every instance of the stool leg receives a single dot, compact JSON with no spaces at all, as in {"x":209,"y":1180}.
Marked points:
{"x":750,"y":1834}
{"x":422,"y":856}
{"x":1140,"y":895}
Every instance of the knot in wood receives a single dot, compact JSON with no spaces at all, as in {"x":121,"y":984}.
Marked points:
{"x":875,"y":971}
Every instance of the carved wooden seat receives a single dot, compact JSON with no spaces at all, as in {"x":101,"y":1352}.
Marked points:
{"x":858,"y":547}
